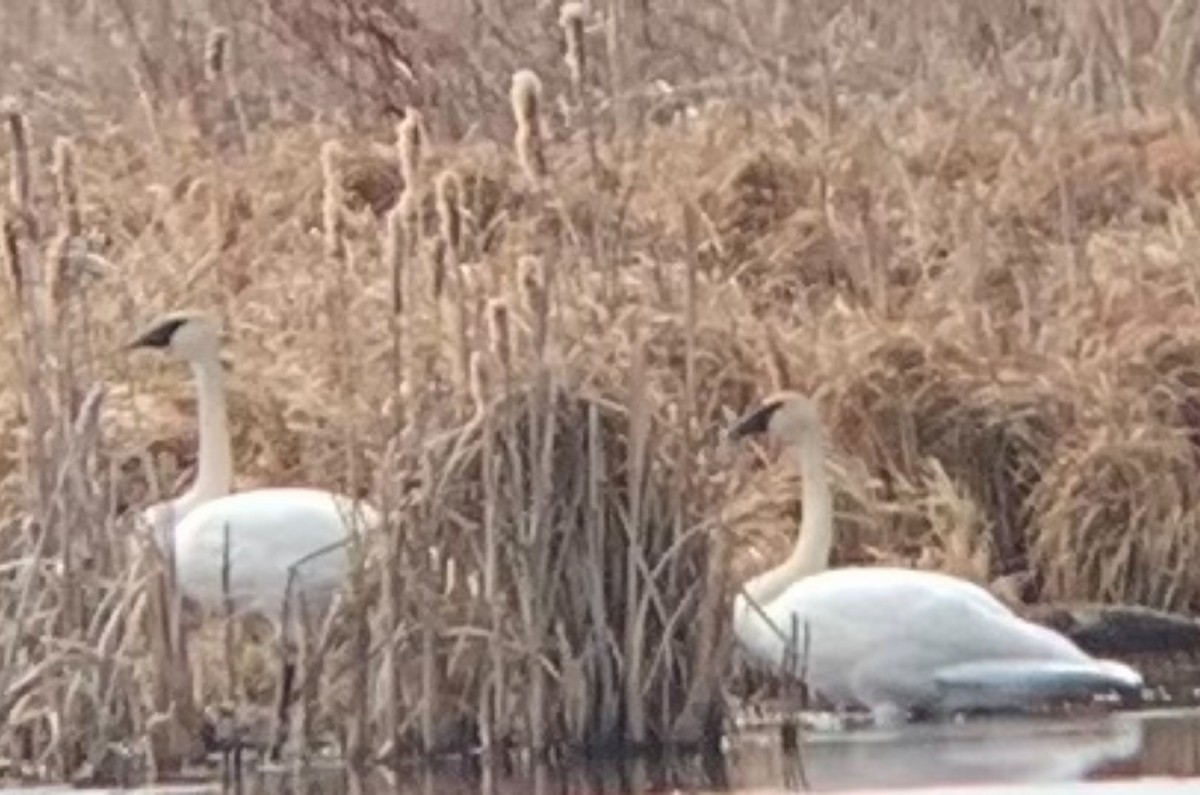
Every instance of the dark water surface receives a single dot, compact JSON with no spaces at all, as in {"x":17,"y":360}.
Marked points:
{"x":1119,"y":747}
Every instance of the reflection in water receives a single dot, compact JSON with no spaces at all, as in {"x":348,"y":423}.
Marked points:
{"x":972,"y":753}
{"x":1172,"y":744}
{"x":1118,"y":746}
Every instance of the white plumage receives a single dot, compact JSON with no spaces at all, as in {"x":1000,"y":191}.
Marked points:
{"x":270,"y":531}
{"x":894,"y":640}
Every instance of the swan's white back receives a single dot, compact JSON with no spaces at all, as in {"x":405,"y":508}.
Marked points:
{"x":270,"y":531}
{"x":881,"y":636}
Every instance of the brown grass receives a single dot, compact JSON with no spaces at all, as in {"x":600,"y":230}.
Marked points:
{"x":969,"y":229}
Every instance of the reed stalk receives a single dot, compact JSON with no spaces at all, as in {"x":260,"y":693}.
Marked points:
{"x":394,"y":249}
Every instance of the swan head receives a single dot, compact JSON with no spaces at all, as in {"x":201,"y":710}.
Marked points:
{"x":187,"y":335}
{"x":785,"y":417}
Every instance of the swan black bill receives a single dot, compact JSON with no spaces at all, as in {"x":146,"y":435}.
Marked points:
{"x":758,"y":422}
{"x":159,"y":335}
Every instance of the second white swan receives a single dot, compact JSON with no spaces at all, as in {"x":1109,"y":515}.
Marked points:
{"x":272,"y":532}
{"x":892,"y":640}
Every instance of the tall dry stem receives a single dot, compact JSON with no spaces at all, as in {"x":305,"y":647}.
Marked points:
{"x":393,"y":248}
{"x":635,"y":628}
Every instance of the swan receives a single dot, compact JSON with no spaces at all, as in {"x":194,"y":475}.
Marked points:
{"x":271,"y":531}
{"x":895,"y":641}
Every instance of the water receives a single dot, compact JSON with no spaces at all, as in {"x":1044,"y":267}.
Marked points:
{"x":1036,"y":753}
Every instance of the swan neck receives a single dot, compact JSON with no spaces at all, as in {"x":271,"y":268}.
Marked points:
{"x":814,"y":543}
{"x":214,"y":470}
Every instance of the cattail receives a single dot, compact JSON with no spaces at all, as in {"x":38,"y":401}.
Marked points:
{"x":498,"y":331}
{"x":531,"y":275}
{"x":331,"y":200}
{"x":469,"y":305}
{"x":216,"y":54}
{"x":438,"y":283}
{"x":410,"y":144}
{"x":393,"y":256}
{"x":449,"y":192}
{"x":526,"y":106}
{"x":18,"y":130}
{"x":58,"y":255}
{"x":450,"y":226}
{"x":12,"y":251}
{"x":571,"y":18}
{"x":410,"y":229}
{"x":21,"y":219}
{"x":67,"y":183}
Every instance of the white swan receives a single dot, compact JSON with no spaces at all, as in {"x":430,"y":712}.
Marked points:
{"x":894,"y":640}
{"x":271,"y":531}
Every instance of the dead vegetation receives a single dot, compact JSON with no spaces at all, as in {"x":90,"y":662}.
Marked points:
{"x":521,"y":343}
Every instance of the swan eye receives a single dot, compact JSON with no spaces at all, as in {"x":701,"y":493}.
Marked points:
{"x":159,"y":335}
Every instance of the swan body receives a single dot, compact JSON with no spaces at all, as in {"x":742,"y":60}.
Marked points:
{"x":270,"y":531}
{"x":895,"y":640}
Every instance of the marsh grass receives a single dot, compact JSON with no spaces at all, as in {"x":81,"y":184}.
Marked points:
{"x":521,"y":345}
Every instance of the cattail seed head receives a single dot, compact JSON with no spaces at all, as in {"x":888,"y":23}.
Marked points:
{"x":499,"y":332}
{"x":438,"y":282}
{"x":526,"y":98}
{"x":410,"y":140}
{"x":216,"y":54}
{"x":67,"y":184}
{"x":18,"y":131}
{"x":449,"y":207}
{"x":571,"y":18}
{"x":410,"y":147}
{"x":406,"y":209}
{"x":59,"y":257}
